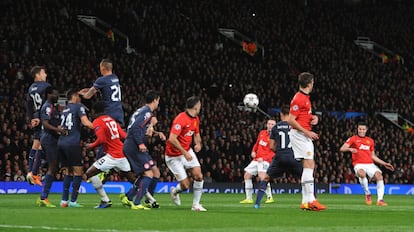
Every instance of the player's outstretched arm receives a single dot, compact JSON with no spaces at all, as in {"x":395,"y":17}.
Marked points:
{"x":85,"y":121}
{"x":88,"y":93}
{"x":381,"y":162}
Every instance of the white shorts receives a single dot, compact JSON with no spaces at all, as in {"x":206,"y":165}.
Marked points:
{"x":255,"y":167}
{"x":178,"y":164}
{"x":302,"y":145}
{"x":108,"y":162}
{"x":370,"y":169}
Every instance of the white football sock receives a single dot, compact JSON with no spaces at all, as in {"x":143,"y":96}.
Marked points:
{"x":248,"y":186}
{"x":198,"y":191}
{"x":269,"y":190}
{"x":380,"y":189}
{"x":150,"y":197}
{"x":178,"y":188}
{"x":307,"y":185}
{"x":97,"y":184}
{"x":364,"y":183}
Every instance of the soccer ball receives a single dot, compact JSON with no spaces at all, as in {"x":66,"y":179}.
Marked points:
{"x":251,"y":100}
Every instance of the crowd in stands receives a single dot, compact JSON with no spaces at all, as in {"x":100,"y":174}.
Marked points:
{"x":179,"y":52}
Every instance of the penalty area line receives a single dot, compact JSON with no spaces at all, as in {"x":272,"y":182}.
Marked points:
{"x":51,"y":228}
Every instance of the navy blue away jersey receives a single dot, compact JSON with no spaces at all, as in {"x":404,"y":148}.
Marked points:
{"x":71,"y":120}
{"x":36,"y":96}
{"x":280,"y":133}
{"x":138,"y":125}
{"x":49,"y":112}
{"x":111,"y":95}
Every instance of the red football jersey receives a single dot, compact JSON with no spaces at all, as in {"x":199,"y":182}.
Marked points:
{"x":365,"y":147}
{"x":109,"y":135}
{"x":301,"y":107}
{"x":184,"y":126}
{"x":262,"y":147}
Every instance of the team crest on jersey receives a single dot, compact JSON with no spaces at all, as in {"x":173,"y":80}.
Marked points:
{"x":195,"y":123}
{"x":147,"y":115}
{"x":177,"y":126}
{"x":295,"y":107}
{"x":309,"y":153}
{"x":368,"y":142}
{"x":48,"y":111}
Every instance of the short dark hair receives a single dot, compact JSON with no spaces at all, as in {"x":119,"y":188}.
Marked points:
{"x":70,"y":93}
{"x":191,"y":102}
{"x":285,"y":110}
{"x":362,"y":123}
{"x":107,"y":63}
{"x":151,"y":95}
{"x":305,"y":79}
{"x":36,"y":70}
{"x":99,"y":107}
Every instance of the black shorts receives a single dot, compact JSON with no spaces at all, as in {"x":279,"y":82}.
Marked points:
{"x":37,"y":132}
{"x":51,"y":151}
{"x":70,"y":155}
{"x":285,"y":162}
{"x":139,"y":161}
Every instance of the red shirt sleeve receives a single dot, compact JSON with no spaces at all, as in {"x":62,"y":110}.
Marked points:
{"x":256,"y":145}
{"x":121,"y":132}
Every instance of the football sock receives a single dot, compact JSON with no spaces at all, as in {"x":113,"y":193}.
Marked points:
{"x":66,"y":185}
{"x":134,"y":189}
{"x":131,"y":193}
{"x":248,"y":186}
{"x":75,"y":187}
{"x":178,"y":188}
{"x":268,"y":190}
{"x":153,"y":185}
{"x":143,"y":188}
{"x":198,"y":191}
{"x":364,"y":183}
{"x":307,"y":185}
{"x":380,"y":189}
{"x":31,"y":159}
{"x":261,"y":192}
{"x":97,"y":184}
{"x":36,"y":161}
{"x":46,"y":186}
{"x":150,"y":198}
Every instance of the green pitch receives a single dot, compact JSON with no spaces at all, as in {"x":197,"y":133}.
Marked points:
{"x":225,"y":214}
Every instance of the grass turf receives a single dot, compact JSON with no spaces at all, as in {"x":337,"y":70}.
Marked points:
{"x":345,"y":213}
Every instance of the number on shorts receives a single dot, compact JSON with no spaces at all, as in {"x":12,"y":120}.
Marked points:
{"x":100,"y":161}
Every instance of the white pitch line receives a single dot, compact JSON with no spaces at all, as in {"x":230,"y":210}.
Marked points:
{"x":68,"y":229}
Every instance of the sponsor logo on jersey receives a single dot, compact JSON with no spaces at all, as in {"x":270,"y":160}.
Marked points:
{"x":364,"y":147}
{"x":263,"y":143}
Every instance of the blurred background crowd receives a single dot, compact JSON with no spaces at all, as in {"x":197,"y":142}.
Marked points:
{"x":179,"y":52}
